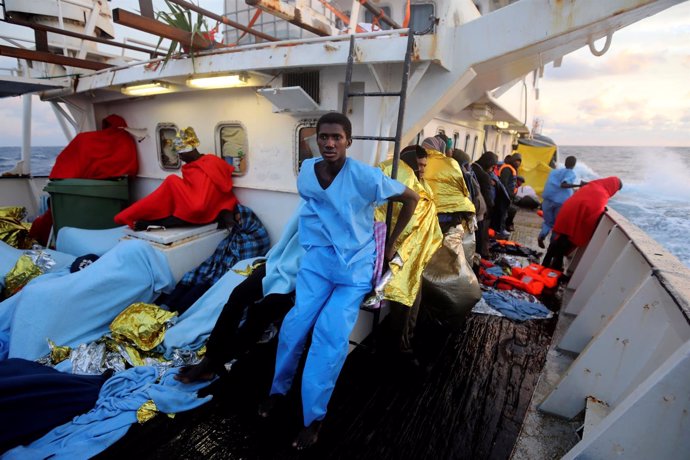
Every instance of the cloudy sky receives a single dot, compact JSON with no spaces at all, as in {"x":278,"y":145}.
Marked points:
{"x":638,"y":93}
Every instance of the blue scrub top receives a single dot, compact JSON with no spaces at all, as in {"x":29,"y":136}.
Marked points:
{"x":342,"y":215}
{"x":552,"y":188}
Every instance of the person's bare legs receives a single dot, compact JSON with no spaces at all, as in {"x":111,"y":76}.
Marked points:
{"x":269,"y":404}
{"x":308,"y":436}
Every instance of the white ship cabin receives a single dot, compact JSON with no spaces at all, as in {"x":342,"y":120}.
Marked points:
{"x":270,"y":82}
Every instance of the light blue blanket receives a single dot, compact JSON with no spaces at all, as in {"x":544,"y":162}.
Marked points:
{"x":195,"y":325}
{"x":81,"y":241}
{"x":78,"y":307}
{"x":282,"y":261}
{"x":115,"y":411}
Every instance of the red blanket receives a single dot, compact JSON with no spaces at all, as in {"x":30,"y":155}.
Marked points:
{"x":580,"y":213}
{"x":110,"y":152}
{"x":204,"y":190}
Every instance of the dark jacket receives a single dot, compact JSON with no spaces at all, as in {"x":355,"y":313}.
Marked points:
{"x":485,"y":185}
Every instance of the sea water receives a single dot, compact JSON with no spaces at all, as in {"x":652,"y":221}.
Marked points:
{"x":655,"y":194}
{"x":656,"y":188}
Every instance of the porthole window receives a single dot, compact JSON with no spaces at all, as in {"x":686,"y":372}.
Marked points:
{"x":474,"y":146}
{"x":231,"y":142}
{"x":165,"y":133}
{"x":306,"y":146}
{"x":467,"y":142}
{"x":456,"y":138}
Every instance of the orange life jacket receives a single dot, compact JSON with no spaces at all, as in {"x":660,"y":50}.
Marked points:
{"x":548,"y":276}
{"x":527,"y":283}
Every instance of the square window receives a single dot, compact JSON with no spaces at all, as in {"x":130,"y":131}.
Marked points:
{"x":306,"y":143}
{"x":232,"y":144}
{"x":167,"y":159}
{"x":422,"y":17}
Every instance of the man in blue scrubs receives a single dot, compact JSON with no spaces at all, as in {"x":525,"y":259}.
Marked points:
{"x":557,"y":189}
{"x":336,"y":228}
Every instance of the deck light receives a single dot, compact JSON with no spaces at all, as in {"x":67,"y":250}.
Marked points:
{"x":218,"y":81}
{"x":502,"y":124}
{"x":146,"y":89}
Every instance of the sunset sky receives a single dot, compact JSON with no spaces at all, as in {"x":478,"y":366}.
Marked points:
{"x":638,"y":93}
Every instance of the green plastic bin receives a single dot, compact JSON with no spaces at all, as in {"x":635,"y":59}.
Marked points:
{"x":87,"y":203}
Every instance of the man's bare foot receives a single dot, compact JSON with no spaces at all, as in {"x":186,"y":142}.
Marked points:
{"x":197,"y":373}
{"x":269,"y":404}
{"x":308,"y":436}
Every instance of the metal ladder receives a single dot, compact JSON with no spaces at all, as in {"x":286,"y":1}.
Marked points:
{"x":402,"y":95}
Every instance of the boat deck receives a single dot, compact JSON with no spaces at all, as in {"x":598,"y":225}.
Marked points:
{"x":468,"y":400}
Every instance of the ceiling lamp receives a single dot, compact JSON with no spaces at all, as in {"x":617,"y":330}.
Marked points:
{"x":502,"y":124}
{"x":218,"y":81}
{"x":146,"y":89}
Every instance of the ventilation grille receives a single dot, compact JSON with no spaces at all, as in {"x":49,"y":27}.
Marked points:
{"x":308,"y":81}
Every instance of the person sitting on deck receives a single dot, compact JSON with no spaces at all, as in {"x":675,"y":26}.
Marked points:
{"x":248,"y":238}
{"x":418,"y":242}
{"x":444,"y":177}
{"x":110,"y":152}
{"x":267,"y":294}
{"x":202,"y":195}
{"x":578,"y":218}
{"x":558,"y":188}
{"x":526,"y":196}
{"x":336,"y":228}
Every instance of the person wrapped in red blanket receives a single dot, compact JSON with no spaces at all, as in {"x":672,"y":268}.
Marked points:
{"x":110,"y":152}
{"x":578,"y":218}
{"x":202,"y":195}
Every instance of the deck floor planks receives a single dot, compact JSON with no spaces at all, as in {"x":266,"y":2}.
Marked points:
{"x":467,"y":401}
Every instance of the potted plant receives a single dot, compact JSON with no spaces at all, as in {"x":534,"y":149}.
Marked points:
{"x":183,"y":19}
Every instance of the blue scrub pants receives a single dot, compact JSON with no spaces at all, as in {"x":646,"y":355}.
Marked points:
{"x":328,"y":297}
{"x":550,"y":210}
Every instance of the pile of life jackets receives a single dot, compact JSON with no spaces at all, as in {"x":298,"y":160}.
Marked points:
{"x":533,"y":278}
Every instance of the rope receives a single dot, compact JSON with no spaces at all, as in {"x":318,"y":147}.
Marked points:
{"x":406,"y":21}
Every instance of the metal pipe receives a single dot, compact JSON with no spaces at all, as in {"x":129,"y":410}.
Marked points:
{"x":61,"y":121}
{"x":26,"y":134}
{"x":255,"y":46}
{"x":56,"y":30}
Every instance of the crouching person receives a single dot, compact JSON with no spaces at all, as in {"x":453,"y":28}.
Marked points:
{"x":336,"y":228}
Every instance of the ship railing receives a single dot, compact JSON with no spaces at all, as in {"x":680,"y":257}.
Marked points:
{"x":253,"y":47}
{"x":630,"y":299}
